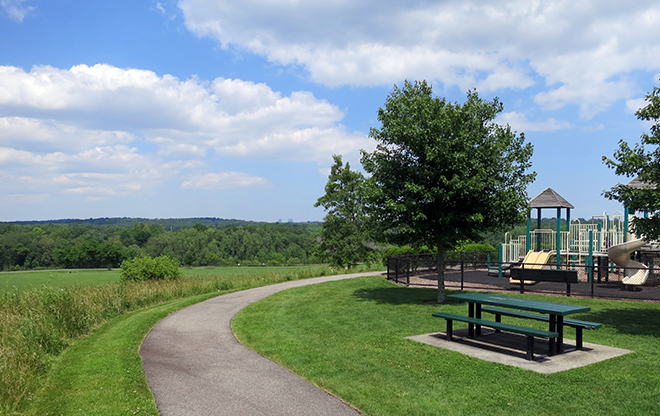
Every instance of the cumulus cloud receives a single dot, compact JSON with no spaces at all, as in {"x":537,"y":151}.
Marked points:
{"x":103,"y":104}
{"x":15,"y":9}
{"x":45,"y":135}
{"x":90,"y":130}
{"x":519,"y":122}
{"x":116,"y":170}
{"x":635,"y":104}
{"x":583,"y":52}
{"x":225,"y":180}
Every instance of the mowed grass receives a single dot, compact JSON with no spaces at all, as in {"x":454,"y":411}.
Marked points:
{"x":37,"y":325}
{"x":102,"y":374}
{"x":26,"y":280}
{"x":348,"y":337}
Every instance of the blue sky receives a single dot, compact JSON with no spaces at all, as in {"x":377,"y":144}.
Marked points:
{"x":196,"y":108}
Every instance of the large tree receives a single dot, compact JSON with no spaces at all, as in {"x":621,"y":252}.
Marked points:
{"x":344,"y":235}
{"x":642,"y":161}
{"x":444,"y":172}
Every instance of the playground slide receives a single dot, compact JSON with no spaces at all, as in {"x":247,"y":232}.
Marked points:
{"x":620,"y":255}
{"x":534,"y":260}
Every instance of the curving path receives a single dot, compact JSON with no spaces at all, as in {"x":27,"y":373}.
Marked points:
{"x":195,"y":366}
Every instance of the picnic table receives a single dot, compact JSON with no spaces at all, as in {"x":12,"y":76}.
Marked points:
{"x":556,"y":312}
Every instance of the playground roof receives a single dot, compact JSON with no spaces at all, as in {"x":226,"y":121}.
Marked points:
{"x":637,"y":184}
{"x":549,"y":199}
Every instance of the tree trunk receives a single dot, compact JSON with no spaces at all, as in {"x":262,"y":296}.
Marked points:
{"x":441,"y":273}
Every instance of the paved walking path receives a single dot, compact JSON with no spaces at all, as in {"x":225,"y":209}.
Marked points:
{"x":195,"y":366}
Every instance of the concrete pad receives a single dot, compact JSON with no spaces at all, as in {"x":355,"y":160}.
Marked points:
{"x":510,"y":349}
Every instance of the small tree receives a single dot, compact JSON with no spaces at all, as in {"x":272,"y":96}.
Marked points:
{"x":148,"y":268}
{"x":345,"y":227}
{"x":645,"y":164}
{"x":444,"y":173}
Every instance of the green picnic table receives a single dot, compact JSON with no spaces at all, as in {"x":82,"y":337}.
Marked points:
{"x":556,"y":312}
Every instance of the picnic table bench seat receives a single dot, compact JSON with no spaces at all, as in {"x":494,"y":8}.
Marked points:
{"x":574,"y":323}
{"x":530,"y":333}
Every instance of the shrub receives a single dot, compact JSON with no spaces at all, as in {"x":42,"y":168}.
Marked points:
{"x":402,"y":251}
{"x":147,"y":268}
{"x":475,"y":247}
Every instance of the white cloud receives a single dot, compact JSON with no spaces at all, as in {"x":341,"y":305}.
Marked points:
{"x":13,"y":156}
{"x":519,"y":122}
{"x":225,"y":180}
{"x":15,"y":9}
{"x":585,"y":51}
{"x":46,"y":135}
{"x":117,"y":170}
{"x":23,"y":199}
{"x":102,"y":105}
{"x":635,"y":104}
{"x":99,"y":132}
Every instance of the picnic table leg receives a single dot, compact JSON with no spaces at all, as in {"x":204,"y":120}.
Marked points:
{"x":560,"y":331}
{"x":551,"y":342}
{"x":471,"y":315}
{"x":578,"y":339}
{"x":530,"y":348}
{"x":498,"y":318}
{"x":449,"y":330}
{"x":478,"y":316}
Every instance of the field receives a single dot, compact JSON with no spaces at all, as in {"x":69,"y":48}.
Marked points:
{"x":21,"y":281}
{"x":41,"y":321}
{"x":348,"y":337}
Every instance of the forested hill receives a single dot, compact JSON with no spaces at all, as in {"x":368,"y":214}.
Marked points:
{"x":167,"y":223}
{"x":106,"y":242}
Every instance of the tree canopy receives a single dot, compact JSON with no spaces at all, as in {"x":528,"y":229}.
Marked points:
{"x":444,"y":172}
{"x":641,"y":161}
{"x":86,"y":244}
{"x":345,"y":227}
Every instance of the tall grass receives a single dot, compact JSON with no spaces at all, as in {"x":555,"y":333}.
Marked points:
{"x":37,"y":325}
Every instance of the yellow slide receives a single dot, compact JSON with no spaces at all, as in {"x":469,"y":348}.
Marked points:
{"x":534,"y":260}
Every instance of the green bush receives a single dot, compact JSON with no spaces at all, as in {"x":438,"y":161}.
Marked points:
{"x":404,"y":250}
{"x":475,"y":247}
{"x":147,"y":268}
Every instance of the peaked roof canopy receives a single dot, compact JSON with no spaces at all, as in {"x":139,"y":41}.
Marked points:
{"x":637,"y":184}
{"x":549,"y":199}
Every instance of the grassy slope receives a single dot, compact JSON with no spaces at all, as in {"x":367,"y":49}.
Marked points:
{"x":102,"y":374}
{"x":348,"y":338}
{"x":33,"y":321}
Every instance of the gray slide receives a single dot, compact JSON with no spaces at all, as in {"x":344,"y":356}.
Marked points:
{"x":620,"y":255}
{"x":195,"y":366}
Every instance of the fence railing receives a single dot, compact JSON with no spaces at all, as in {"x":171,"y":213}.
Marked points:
{"x":401,"y":268}
{"x":478,"y":271}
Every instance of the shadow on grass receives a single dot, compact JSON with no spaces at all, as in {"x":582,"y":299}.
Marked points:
{"x":398,"y":295}
{"x":630,"y":321}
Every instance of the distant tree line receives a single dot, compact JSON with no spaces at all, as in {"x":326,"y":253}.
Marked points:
{"x":88,"y":245}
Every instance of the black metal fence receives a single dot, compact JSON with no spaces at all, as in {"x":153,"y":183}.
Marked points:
{"x":481,"y":271}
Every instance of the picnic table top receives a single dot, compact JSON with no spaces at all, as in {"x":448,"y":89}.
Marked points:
{"x":518,"y":303}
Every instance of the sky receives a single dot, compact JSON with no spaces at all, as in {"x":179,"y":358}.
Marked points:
{"x":233,"y":109}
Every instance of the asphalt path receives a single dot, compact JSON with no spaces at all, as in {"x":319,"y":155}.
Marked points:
{"x":195,"y":365}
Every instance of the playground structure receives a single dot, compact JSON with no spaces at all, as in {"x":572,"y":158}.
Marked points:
{"x":620,"y":255}
{"x":580,"y":245}
{"x":534,"y":260}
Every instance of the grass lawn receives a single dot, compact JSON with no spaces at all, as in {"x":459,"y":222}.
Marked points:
{"x":348,"y":337}
{"x":25,"y":280}
{"x":64,"y":337}
{"x":22,"y":281}
{"x":102,"y":374}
